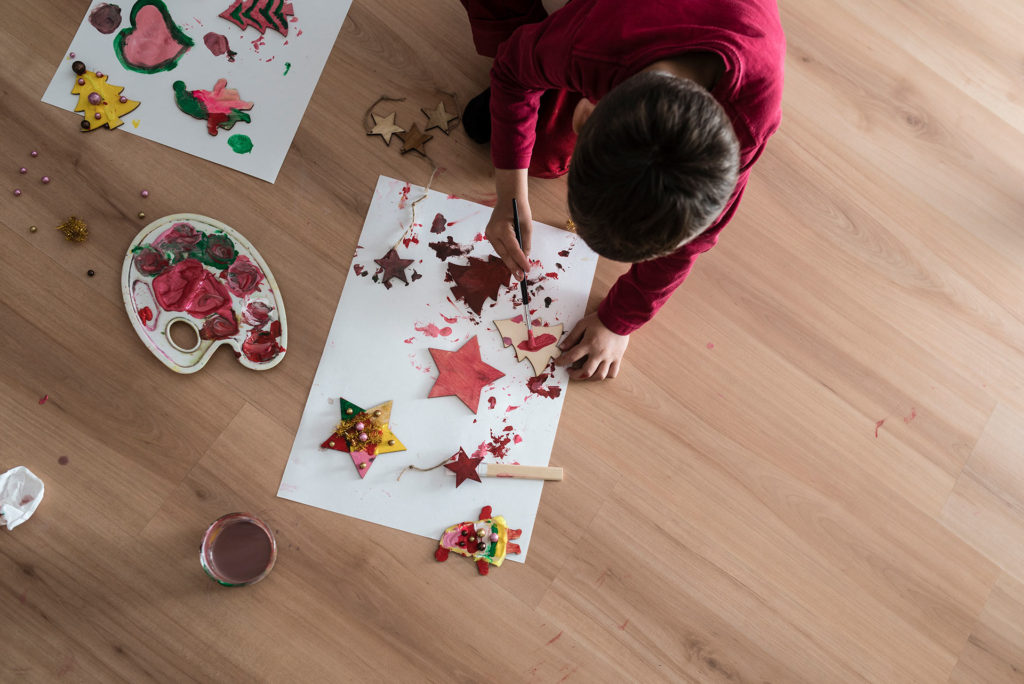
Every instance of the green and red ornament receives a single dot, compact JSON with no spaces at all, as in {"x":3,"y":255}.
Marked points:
{"x":364,"y":434}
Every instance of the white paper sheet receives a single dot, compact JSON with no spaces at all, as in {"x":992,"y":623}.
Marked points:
{"x":258,"y":73}
{"x":377,"y":350}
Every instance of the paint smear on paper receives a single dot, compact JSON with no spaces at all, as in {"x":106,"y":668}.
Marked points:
{"x":136,"y":122}
{"x":431,"y":330}
{"x":537,"y":342}
{"x":221,"y":107}
{"x":287,"y":67}
{"x":154,"y":42}
{"x":438,"y":225}
{"x":105,"y":18}
{"x":217,"y":43}
{"x":536,"y":385}
{"x":242,"y":144}
{"x":497,"y":446}
{"x":449,"y":248}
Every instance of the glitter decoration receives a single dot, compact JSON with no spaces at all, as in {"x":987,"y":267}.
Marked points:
{"x":74,"y":229}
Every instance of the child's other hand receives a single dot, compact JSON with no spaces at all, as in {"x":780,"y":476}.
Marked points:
{"x":503,"y":237}
{"x":595,"y":349}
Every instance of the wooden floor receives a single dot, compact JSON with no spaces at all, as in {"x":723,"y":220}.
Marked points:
{"x":833,"y":490}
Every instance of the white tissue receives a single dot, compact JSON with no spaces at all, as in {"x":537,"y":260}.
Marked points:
{"x":20,"y":494}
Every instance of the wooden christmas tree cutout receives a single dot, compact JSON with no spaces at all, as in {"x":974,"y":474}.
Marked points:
{"x":540,"y":350}
{"x":438,"y":118}
{"x":385,"y":127}
{"x":364,"y":434}
{"x":462,"y":373}
{"x":100,"y":101}
{"x":478,"y":280}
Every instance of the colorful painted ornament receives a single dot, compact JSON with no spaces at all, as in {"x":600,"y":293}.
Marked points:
{"x":364,"y":434}
{"x":153,"y":43}
{"x":385,"y":127}
{"x":462,"y":373}
{"x":100,"y":102}
{"x":413,"y":140}
{"x":260,"y":15}
{"x":438,"y":118}
{"x":221,"y":107}
{"x":539,"y":350}
{"x":192,"y":270}
{"x":478,"y":280}
{"x":486,"y":541}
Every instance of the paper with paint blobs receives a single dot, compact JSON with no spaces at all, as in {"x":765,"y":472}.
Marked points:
{"x":273,"y":60}
{"x":379,"y":346}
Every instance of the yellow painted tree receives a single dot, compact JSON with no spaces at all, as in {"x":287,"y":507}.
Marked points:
{"x":101,"y":102}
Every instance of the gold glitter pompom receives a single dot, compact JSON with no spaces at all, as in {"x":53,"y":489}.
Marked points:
{"x":570,"y":226}
{"x":74,"y":229}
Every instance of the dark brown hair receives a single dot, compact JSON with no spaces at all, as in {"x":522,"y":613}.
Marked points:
{"x":653,"y":166}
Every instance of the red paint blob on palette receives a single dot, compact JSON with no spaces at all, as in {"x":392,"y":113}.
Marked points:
{"x":145,"y":315}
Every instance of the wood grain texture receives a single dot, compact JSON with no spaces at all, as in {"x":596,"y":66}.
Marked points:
{"x":830,"y":485}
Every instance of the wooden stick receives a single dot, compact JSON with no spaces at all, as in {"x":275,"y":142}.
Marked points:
{"x":523,"y":472}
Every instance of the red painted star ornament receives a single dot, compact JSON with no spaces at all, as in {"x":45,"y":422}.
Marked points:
{"x":364,"y":434}
{"x":462,"y":373}
{"x":464,"y":466}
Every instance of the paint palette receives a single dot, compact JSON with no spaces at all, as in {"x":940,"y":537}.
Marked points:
{"x":194,"y":272}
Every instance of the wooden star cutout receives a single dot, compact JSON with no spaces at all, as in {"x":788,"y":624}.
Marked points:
{"x":385,"y":127}
{"x":464,"y":467}
{"x":545,"y":347}
{"x":364,"y":434}
{"x":478,"y":280}
{"x":462,"y":373}
{"x":414,"y":139}
{"x":438,"y":118}
{"x":394,"y":267}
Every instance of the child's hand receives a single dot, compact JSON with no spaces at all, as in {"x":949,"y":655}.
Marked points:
{"x":595,"y":349}
{"x":511,"y":183}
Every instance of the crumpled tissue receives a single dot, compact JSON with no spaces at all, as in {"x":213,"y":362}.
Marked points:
{"x":20,"y":494}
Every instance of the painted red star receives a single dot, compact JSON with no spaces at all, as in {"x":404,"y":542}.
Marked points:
{"x":394,"y":267}
{"x":464,"y":466}
{"x":478,"y":280}
{"x":462,"y":373}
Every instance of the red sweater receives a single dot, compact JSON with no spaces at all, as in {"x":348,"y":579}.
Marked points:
{"x":590,"y":46}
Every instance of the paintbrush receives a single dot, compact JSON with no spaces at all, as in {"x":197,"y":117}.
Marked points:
{"x":523,"y":472}
{"x":522,"y":283}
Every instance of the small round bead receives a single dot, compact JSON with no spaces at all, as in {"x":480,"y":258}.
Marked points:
{"x":34,"y":153}
{"x":363,"y":437}
{"x":122,"y":99}
{"x":85,"y":124}
{"x":462,"y":543}
{"x":330,"y":444}
{"x":142,"y":214}
{"x":97,"y":115}
{"x":99,"y":74}
{"x":144,"y":193}
{"x":362,"y":466}
{"x":90,"y":273}
{"x":348,"y":412}
{"x":45,"y":179}
{"x":71,"y":55}
{"x":22,"y":170}
{"x":464,"y":533}
{"x":376,"y":414}
{"x":78,"y":67}
{"x":360,"y":426}
{"x":95,"y":99}
{"x":32,"y":229}
{"x":391,"y":442}
{"x":81,"y":81}
{"x":17,"y":193}
{"x":494,"y":536}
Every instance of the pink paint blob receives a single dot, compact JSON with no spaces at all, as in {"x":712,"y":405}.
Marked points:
{"x":711,"y":345}
{"x":538,"y":342}
{"x":151,"y":43}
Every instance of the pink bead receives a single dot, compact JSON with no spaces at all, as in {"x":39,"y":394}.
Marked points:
{"x":17,"y":193}
{"x":360,"y":426}
{"x":97,"y":115}
{"x":81,"y":81}
{"x":144,"y":193}
{"x":95,"y":99}
{"x":71,"y":55}
{"x":494,"y":536}
{"x":99,"y":74}
{"x":363,"y":437}
{"x":45,"y":179}
{"x":122,"y":99}
{"x":34,"y":153}
{"x":22,"y":170}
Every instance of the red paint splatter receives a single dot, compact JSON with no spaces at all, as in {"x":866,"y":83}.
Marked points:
{"x":438,"y":224}
{"x":431,"y":330}
{"x":517,"y":319}
{"x":415,"y":275}
{"x":453,"y":319}
{"x":26,"y":500}
{"x":404,"y":196}
{"x":912,"y":416}
{"x":623,"y":625}
{"x":517,"y":439}
{"x":449,"y":248}
{"x":63,"y":460}
{"x":511,"y":408}
{"x":878,"y":425}
{"x":43,"y":400}
{"x":411,"y":240}
{"x":507,"y":428}
{"x":358,"y":269}
{"x":538,"y":342}
{"x":145,"y":315}
{"x":711,"y":345}
{"x":409,"y":340}
{"x":564,"y":253}
{"x":554,"y":639}
{"x":536,"y":385}
{"x":552,"y":274}
{"x":491,"y":402}
{"x":479,"y":237}
{"x":497,"y":447}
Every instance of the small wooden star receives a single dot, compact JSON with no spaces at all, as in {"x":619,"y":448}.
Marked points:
{"x":394,"y":267}
{"x":414,"y":139}
{"x":438,"y":118}
{"x":464,"y":466}
{"x":385,"y":127}
{"x":462,"y":373}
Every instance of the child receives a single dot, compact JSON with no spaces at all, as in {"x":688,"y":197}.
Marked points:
{"x":672,"y":102}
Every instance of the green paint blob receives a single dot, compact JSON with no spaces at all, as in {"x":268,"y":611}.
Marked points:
{"x":241,"y":144}
{"x":287,"y":67}
{"x":187,"y":102}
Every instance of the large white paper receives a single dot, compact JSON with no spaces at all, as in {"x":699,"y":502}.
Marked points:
{"x":258,"y":73}
{"x":377,"y":350}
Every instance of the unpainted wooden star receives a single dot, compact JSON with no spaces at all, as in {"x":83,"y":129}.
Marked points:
{"x":438,"y":118}
{"x":385,"y":127}
{"x":414,"y":139}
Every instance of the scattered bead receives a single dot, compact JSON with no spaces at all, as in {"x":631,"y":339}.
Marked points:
{"x":34,"y":153}
{"x":85,"y":124}
{"x":95,"y":99}
{"x":78,"y":67}
{"x":144,"y":193}
{"x":22,"y":170}
{"x":45,"y":179}
{"x":32,"y":229}
{"x":17,"y":192}
{"x":142,"y":214}
{"x":90,"y":273}
{"x":391,"y":442}
{"x":97,"y":115}
{"x":122,"y":99}
{"x":363,"y":437}
{"x":71,"y":55}
{"x":81,"y":81}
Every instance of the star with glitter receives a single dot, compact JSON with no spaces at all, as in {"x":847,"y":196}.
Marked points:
{"x":364,"y":434}
{"x":393,"y":267}
{"x":438,"y":118}
{"x":464,"y":466}
{"x":462,"y":373}
{"x":478,"y":280}
{"x":414,"y":139}
{"x":385,"y":127}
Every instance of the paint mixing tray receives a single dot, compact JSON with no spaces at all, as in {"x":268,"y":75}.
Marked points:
{"x":193,"y":272}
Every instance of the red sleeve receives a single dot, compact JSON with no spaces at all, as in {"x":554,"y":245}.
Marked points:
{"x":638,"y":294}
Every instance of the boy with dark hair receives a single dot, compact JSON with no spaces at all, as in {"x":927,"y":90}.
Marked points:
{"x":672,"y":101}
